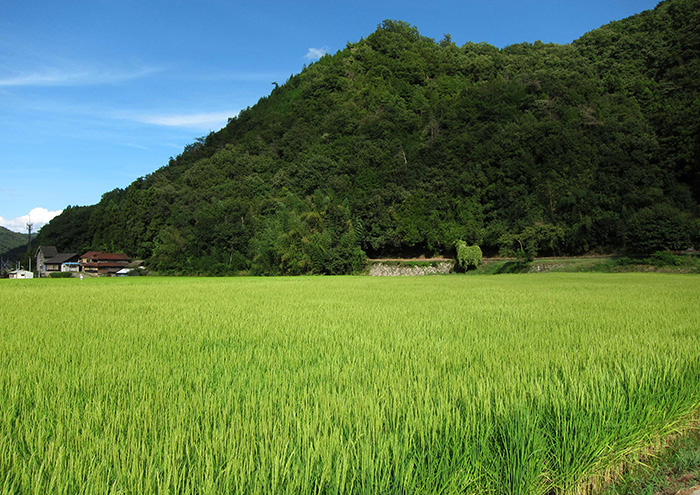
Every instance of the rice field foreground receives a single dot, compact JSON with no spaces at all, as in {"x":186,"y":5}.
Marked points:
{"x":525,"y":384}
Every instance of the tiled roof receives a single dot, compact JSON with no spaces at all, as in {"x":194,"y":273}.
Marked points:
{"x":100,"y":256}
{"x":48,"y":251}
{"x":61,"y":258}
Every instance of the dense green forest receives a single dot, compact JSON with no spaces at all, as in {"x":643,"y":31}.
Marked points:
{"x":10,"y":241}
{"x":401,"y":145}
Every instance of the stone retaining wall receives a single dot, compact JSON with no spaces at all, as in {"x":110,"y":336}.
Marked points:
{"x":403,"y":270}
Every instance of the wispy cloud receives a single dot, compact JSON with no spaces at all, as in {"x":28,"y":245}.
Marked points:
{"x":316,"y":53}
{"x":137,"y":146}
{"x":38,"y":217}
{"x":210,"y":120}
{"x":74,"y":77}
{"x":236,"y":76}
{"x":24,"y":64}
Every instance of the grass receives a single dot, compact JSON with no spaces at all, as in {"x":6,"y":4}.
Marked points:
{"x":661,"y":262}
{"x":527,"y":384}
{"x":671,"y":468}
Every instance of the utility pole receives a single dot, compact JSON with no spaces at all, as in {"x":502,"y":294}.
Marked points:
{"x":29,"y":243}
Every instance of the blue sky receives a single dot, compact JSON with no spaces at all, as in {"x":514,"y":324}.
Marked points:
{"x":96,"y":93}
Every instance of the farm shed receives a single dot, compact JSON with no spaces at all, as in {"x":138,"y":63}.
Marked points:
{"x":21,"y":274}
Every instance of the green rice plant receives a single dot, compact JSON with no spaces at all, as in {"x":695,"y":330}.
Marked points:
{"x":527,"y":384}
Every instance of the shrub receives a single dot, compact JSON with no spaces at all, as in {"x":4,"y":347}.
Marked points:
{"x":666,"y":258}
{"x":61,"y":275}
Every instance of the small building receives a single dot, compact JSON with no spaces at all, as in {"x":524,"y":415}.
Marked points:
{"x":97,"y":262}
{"x":131,"y":269}
{"x":70,"y":266}
{"x":21,"y":274}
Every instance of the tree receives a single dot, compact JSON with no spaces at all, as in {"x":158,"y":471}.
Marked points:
{"x":468,"y":256}
{"x":511,"y":246}
{"x":658,"y":228}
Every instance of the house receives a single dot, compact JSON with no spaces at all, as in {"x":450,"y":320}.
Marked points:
{"x":49,"y":260}
{"x":97,"y":262}
{"x":42,"y":254}
{"x":21,"y":274}
{"x":62,"y":262}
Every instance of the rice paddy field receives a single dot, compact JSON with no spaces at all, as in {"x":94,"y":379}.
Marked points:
{"x":511,"y":384}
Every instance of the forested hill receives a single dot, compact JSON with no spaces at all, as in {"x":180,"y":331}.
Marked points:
{"x":11,"y":240}
{"x":402,"y":145}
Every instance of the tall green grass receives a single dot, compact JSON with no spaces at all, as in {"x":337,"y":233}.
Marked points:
{"x":528,"y":384}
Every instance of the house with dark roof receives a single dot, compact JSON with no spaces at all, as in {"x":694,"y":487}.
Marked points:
{"x":63,"y":262}
{"x":42,"y":254}
{"x":49,"y":260}
{"x":101,"y":263}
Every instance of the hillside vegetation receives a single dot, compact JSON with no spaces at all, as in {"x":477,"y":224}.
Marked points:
{"x":10,"y":241}
{"x":400,"y":145}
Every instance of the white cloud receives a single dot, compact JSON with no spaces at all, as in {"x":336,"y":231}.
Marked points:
{"x":316,"y":53}
{"x":212,"y":120}
{"x":73,"y":76}
{"x":38,"y":217}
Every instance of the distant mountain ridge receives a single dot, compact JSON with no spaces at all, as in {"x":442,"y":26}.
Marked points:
{"x":400,"y":145}
{"x":10,"y":240}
